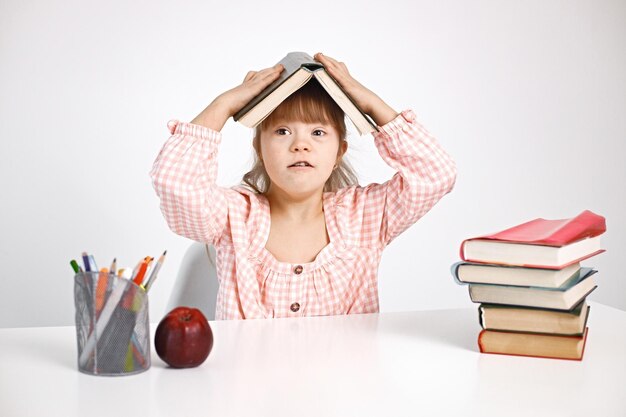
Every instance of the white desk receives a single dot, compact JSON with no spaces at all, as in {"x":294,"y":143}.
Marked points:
{"x":416,"y":363}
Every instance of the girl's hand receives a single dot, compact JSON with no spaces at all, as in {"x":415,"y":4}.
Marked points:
{"x":230,"y":102}
{"x":252,"y":85}
{"x":367,"y":101}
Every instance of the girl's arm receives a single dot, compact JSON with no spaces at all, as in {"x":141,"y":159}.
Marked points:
{"x":184,"y":172}
{"x":366,"y":99}
{"x":425,"y":172}
{"x":183,"y":176}
{"x":376,"y":214}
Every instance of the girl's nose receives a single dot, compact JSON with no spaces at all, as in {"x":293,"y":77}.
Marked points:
{"x":300,"y":144}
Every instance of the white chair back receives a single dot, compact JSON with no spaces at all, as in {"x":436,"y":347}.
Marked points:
{"x":196,"y":283}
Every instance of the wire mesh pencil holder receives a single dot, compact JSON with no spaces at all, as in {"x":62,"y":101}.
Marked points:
{"x":112,"y":325}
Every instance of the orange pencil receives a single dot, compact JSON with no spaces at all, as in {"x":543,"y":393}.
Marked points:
{"x":136,"y":268}
{"x":101,"y":288}
{"x":142,"y":270}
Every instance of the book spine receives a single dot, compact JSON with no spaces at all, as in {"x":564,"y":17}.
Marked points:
{"x":480,"y":341}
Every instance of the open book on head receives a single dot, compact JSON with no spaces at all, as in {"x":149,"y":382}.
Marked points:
{"x":300,"y":67}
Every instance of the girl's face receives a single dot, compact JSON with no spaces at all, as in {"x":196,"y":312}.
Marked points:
{"x":315,"y":146}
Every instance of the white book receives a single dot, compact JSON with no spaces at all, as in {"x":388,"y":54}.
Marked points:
{"x":475,"y":273}
{"x":499,"y":252}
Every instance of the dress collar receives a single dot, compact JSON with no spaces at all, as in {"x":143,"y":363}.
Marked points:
{"x":261,"y":255}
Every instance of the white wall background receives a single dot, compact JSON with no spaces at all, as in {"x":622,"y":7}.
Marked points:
{"x":529,"y":97}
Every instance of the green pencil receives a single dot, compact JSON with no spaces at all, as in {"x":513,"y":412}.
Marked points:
{"x":75,"y":266}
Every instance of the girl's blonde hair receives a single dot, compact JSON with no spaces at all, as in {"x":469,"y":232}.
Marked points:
{"x":309,"y":104}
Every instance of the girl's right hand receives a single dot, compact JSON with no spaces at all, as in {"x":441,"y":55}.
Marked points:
{"x":230,"y":102}
{"x":252,"y":85}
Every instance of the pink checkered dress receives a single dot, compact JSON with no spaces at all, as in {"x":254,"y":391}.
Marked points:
{"x":360,"y":222}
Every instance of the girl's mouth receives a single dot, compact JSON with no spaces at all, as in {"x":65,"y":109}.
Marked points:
{"x":300,"y":167}
{"x":300,"y":164}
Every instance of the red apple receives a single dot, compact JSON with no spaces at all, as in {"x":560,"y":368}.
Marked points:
{"x":183,"y":338}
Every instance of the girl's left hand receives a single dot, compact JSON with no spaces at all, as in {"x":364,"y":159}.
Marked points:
{"x":367,"y":100}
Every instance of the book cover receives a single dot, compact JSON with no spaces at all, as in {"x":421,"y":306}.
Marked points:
{"x":299,"y":67}
{"x":293,"y":62}
{"x":552,"y":232}
{"x":533,"y":345}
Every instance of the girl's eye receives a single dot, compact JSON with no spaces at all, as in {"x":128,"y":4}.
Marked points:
{"x":281,"y":131}
{"x":318,"y":132}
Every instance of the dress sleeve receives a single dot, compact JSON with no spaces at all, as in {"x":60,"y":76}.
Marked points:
{"x":425,"y":173}
{"x":183,"y":176}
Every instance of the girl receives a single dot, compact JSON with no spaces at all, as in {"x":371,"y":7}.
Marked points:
{"x":299,"y":237}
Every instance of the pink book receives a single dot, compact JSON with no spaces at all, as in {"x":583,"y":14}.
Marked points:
{"x":539,"y":243}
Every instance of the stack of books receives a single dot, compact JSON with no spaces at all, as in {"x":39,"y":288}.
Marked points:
{"x":531,"y":286}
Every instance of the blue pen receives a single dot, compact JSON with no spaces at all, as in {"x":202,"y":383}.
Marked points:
{"x":86,"y":262}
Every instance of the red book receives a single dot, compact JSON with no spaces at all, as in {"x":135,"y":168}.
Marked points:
{"x":539,"y":243}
